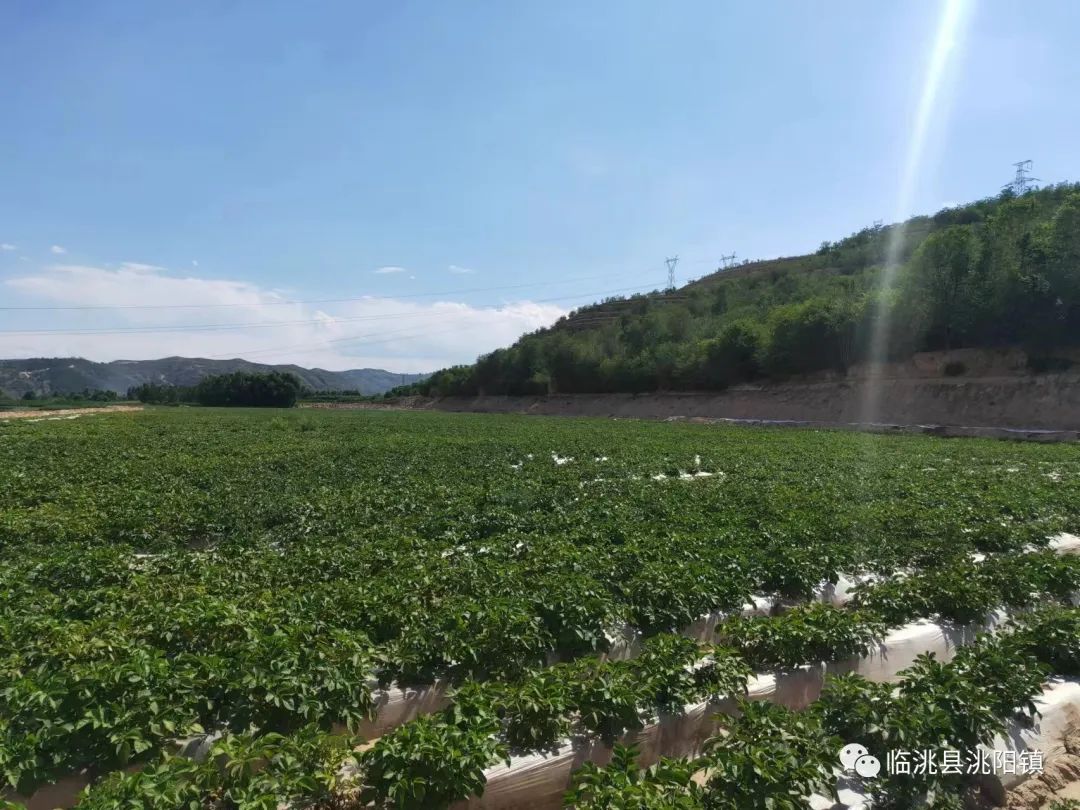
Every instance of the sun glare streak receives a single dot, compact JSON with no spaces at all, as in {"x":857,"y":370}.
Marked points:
{"x":944,"y":55}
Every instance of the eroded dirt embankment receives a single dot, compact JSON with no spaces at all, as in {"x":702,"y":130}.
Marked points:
{"x":993,"y":393}
{"x":1039,"y":403}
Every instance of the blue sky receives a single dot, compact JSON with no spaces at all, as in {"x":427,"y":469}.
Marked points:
{"x":254,"y":153}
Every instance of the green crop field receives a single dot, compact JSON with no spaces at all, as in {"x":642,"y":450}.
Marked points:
{"x":265,"y":576}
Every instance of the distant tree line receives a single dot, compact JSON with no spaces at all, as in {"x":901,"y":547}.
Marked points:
{"x":86,"y":395}
{"x":1004,"y":271}
{"x":337,"y":395}
{"x":162,"y":394}
{"x":272,"y":389}
{"x":56,"y":397}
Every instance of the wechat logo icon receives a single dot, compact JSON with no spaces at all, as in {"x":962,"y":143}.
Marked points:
{"x":855,"y":757}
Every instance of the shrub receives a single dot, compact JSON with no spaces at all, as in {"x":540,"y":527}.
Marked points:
{"x":1045,"y":364}
{"x":954,"y":368}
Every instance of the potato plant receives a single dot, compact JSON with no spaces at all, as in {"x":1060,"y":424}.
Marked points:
{"x":250,"y":573}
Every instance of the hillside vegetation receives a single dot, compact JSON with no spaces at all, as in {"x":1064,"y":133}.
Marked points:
{"x":1003,"y":271}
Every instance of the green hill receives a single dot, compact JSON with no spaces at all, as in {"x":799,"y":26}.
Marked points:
{"x":1003,"y":271}
{"x":46,"y":376}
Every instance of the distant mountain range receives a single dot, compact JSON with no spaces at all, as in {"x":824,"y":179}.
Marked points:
{"x":67,"y":374}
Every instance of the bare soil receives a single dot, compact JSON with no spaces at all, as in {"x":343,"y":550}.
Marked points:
{"x":65,"y":413}
{"x":958,"y":393}
{"x":1060,"y":781}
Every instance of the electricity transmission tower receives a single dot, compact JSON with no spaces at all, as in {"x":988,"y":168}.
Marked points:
{"x":1023,"y":182}
{"x":727,"y":262}
{"x":671,"y":262}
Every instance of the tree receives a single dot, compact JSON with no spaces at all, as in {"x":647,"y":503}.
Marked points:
{"x":815,"y":335}
{"x":273,"y":389}
{"x":732,"y":356}
{"x":159,"y":394}
{"x":945,"y":277}
{"x":1063,"y":268}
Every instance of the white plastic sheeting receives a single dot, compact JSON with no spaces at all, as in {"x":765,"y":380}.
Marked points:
{"x":840,"y":593}
{"x":540,"y":780}
{"x":536,"y":780}
{"x":197,"y":746}
{"x":625,"y":641}
{"x":1065,"y":544}
{"x":849,"y":796}
{"x":898,"y":649}
{"x":395,"y":706}
{"x":704,"y":628}
{"x":795,"y":689}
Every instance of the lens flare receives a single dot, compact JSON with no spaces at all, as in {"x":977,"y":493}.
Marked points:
{"x":944,"y":55}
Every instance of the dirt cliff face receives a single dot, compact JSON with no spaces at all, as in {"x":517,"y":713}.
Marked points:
{"x":1059,"y":781}
{"x":1024,"y":405}
{"x":964,"y":388}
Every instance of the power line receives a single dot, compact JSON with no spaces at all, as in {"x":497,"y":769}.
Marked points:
{"x":727,"y":262}
{"x":126,"y":330}
{"x":308,"y":347}
{"x":350,"y":338}
{"x":304,"y":348}
{"x":273,"y":303}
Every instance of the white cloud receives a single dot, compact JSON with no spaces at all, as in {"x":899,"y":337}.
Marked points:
{"x":134,"y":284}
{"x":382,"y":271}
{"x":194,"y":263}
{"x":460,"y":270}
{"x":7,"y":246}
{"x":139,"y":267}
{"x":58,"y":250}
{"x":399,"y":335}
